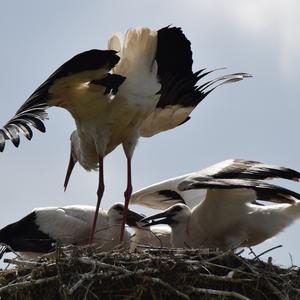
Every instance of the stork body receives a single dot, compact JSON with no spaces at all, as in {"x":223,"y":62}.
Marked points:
{"x":39,"y":231}
{"x":227,"y":219}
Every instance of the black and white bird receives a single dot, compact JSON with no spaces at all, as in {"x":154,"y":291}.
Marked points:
{"x":43,"y":228}
{"x":226,"y":214}
{"x":140,"y":87}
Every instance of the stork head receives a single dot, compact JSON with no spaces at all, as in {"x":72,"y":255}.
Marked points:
{"x":174,"y":215}
{"x":74,"y":155}
{"x":115,"y":214}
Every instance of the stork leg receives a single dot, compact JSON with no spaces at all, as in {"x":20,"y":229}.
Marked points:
{"x":100,"y":192}
{"x":127,"y":195}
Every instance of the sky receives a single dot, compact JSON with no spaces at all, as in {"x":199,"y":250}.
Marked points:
{"x":255,"y":119}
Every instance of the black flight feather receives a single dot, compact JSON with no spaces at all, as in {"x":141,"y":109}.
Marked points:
{"x":33,"y":111}
{"x":25,"y":235}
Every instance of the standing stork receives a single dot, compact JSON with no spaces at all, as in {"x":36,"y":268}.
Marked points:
{"x":139,"y":88}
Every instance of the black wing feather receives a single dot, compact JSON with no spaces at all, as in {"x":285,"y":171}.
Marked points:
{"x":33,"y":111}
{"x":179,"y":87}
{"x":25,"y":235}
{"x":251,"y":169}
{"x":264,"y":191}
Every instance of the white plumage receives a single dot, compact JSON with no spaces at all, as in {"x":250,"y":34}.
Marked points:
{"x":72,"y":225}
{"x":227,"y":214}
{"x":39,"y":231}
{"x":227,"y":219}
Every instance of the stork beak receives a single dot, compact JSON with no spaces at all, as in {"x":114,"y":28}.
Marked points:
{"x":164,"y":217}
{"x":71,"y":165}
{"x":134,"y":218}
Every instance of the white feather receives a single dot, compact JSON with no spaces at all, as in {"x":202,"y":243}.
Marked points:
{"x":155,"y":236}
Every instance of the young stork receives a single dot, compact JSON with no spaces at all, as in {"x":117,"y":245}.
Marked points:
{"x":146,"y":88}
{"x":39,"y":231}
{"x":227,"y":214}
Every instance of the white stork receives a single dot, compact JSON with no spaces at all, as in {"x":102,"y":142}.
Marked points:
{"x":226,"y":213}
{"x":39,"y":231}
{"x":145,"y":88}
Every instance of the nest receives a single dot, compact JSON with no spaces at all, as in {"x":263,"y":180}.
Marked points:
{"x":86,"y":273}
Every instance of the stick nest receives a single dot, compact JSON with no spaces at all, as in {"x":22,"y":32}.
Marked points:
{"x":88,"y":273}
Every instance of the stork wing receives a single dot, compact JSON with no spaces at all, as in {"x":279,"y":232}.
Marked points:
{"x":68,"y":224}
{"x":33,"y":111}
{"x":250,"y":169}
{"x":264,"y":191}
{"x":25,"y":235}
{"x":179,"y":97}
{"x":165,"y":194}
{"x":179,"y":93}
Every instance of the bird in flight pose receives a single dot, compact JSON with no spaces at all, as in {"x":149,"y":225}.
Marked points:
{"x":138,"y":87}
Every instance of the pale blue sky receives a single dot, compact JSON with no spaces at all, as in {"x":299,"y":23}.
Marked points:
{"x":255,"y":119}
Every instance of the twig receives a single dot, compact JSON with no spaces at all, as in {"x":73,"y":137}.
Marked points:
{"x":240,"y":252}
{"x":271,"y":249}
{"x":224,"y":278}
{"x":164,"y":284}
{"x":140,"y":273}
{"x":15,"y":286}
{"x":89,"y":292}
{"x":218,"y":256}
{"x":18,"y":262}
{"x":242,"y":260}
{"x":84,"y":277}
{"x":62,"y":286}
{"x":253,"y":253}
{"x":275,"y":290}
{"x":229,"y":268}
{"x":90,"y":261}
{"x":217,"y":293}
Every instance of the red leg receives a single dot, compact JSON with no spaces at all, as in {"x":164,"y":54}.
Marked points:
{"x":100,"y":192}
{"x":127,"y":195}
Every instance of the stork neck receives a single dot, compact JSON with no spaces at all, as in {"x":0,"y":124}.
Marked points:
{"x":180,"y":235}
